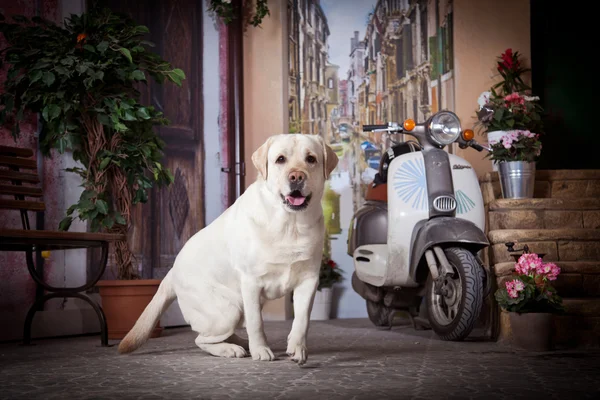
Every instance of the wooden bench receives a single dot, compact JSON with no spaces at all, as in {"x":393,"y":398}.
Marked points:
{"x":20,"y":191}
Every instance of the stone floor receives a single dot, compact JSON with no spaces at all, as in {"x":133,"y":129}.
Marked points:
{"x":348,"y":359}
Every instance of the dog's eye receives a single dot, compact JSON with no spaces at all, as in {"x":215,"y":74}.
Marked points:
{"x":311,"y":159}
{"x":280,"y":160}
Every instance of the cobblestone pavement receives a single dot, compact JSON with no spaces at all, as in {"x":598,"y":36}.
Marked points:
{"x":348,"y":359}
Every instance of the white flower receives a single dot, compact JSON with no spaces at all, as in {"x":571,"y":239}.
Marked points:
{"x":483,"y":99}
{"x":226,"y":1}
{"x":531,"y":98}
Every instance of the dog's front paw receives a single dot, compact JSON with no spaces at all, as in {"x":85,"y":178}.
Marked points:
{"x":297,"y":353}
{"x":262,"y":353}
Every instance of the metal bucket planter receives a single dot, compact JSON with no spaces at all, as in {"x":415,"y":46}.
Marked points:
{"x":517,"y":179}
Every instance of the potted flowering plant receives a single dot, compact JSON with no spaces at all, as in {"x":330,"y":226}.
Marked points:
{"x":510,"y":109}
{"x":329,"y":274}
{"x":530,"y":300}
{"x":517,"y":150}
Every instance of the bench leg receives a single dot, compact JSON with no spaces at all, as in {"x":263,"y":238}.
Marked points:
{"x":66,"y":292}
{"x":37,"y":306}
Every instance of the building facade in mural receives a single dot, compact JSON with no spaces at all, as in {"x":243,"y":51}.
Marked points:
{"x":396,"y":63}
{"x":308,"y":66}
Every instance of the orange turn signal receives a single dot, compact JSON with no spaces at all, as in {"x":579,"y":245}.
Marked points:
{"x":409,"y":125}
{"x":468,"y":135}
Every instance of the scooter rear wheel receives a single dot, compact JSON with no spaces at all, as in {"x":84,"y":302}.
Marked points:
{"x":380,"y":314}
{"x":453,"y":314}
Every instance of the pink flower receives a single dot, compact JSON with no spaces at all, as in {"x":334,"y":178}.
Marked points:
{"x":514,"y":98}
{"x":528,"y":263}
{"x":514,"y":287}
{"x":553,"y":271}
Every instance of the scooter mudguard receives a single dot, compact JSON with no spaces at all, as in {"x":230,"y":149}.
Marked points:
{"x":444,"y":231}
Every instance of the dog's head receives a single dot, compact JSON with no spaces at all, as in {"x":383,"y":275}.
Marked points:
{"x":295,"y":167}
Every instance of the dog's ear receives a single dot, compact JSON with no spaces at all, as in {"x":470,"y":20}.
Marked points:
{"x":259,"y":158}
{"x":330,"y":159}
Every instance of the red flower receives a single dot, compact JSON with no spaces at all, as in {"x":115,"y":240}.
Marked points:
{"x":509,"y":61}
{"x":331,"y":263}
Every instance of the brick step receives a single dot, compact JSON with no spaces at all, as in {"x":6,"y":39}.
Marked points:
{"x":544,"y":214}
{"x":550,"y":184}
{"x":557,"y":244}
{"x":577,"y":279}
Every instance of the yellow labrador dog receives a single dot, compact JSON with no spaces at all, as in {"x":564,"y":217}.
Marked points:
{"x":267,"y":244}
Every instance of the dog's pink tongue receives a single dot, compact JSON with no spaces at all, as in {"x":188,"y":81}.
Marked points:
{"x":295,"y":201}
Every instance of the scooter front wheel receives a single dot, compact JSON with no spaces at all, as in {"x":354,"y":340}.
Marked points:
{"x":454,"y":311}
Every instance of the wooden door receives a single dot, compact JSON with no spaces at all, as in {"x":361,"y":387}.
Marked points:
{"x":172,"y":214}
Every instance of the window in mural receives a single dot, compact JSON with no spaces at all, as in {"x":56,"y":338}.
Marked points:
{"x":360,"y":62}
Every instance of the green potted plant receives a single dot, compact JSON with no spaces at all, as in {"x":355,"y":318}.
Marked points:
{"x":531,"y":300}
{"x":82,"y":80}
{"x":329,"y":274}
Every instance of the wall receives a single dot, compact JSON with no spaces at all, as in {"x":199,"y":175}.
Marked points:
{"x":265,"y":83}
{"x":483,"y":29}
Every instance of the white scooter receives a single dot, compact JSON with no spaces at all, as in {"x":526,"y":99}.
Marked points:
{"x":418,"y":234}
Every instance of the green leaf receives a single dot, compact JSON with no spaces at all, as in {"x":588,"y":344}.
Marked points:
{"x":108,"y":222}
{"x":104,"y":163}
{"x":119,"y":218}
{"x":95,"y":227}
{"x":104,"y":120}
{"x":142,"y":112}
{"x":61,"y":70}
{"x":48,"y":78}
{"x":65,"y":224}
{"x":102,"y":46}
{"x":138,"y":75}
{"x":89,"y":48}
{"x":126,"y":53}
{"x":102,"y":206}
{"x":67,"y":61}
{"x":35,"y":76}
{"x":177,"y":76}
{"x":81,"y":68}
{"x":71,"y":209}
{"x":120,"y":127}
{"x":128,"y":116}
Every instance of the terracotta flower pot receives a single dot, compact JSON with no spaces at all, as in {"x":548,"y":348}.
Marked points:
{"x":532,"y":331}
{"x":123,"y":301}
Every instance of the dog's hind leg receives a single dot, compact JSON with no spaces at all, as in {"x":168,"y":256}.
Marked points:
{"x":216,"y":332}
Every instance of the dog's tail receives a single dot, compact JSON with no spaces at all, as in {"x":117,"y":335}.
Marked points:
{"x":143,"y":327}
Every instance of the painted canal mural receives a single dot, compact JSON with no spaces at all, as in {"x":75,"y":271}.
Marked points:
{"x":358,"y":62}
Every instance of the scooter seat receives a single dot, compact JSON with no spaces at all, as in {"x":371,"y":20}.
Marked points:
{"x":377,"y":192}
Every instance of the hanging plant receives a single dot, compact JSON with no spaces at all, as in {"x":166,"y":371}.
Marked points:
{"x":227,"y":11}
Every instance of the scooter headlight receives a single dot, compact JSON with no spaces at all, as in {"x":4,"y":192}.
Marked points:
{"x":444,"y":128}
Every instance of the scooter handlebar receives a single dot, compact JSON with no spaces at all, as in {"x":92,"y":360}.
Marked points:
{"x":369,"y":128}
